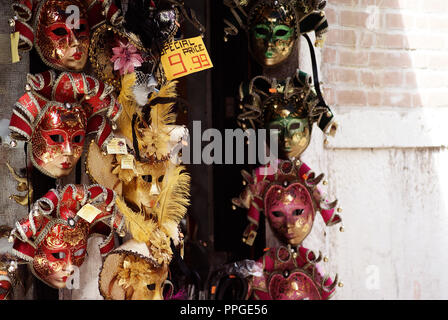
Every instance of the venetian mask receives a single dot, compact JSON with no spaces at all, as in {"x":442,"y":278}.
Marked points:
{"x":54,"y":242}
{"x":272,"y":29}
{"x":61,"y":41}
{"x":131,"y":273}
{"x":293,"y":127}
{"x":142,"y":191}
{"x":62,"y":249}
{"x":290,"y":212}
{"x":58,"y":139}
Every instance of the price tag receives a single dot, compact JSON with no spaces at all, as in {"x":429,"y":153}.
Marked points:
{"x":117,"y":146}
{"x":184,"y":57}
{"x":15,"y":47}
{"x":127,"y":162}
{"x":88,"y":212}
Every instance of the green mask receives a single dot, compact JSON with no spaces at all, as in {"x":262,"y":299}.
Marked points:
{"x":272,"y":35}
{"x":294,"y":134}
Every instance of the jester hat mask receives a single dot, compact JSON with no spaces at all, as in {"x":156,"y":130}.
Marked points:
{"x":53,"y":240}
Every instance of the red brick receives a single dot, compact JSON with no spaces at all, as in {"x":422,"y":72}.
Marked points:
{"x":374,"y":98}
{"x":397,"y":99}
{"x":332,"y":16}
{"x":343,"y":75}
{"x":341,"y":37}
{"x":329,"y":96}
{"x":351,"y":97}
{"x":367,"y":78}
{"x":353,"y":58}
{"x":329,"y":55}
{"x":353,"y":19}
{"x":367,"y":39}
{"x":392,"y":79}
{"x":390,"y":41}
{"x":390,"y":60}
{"x":399,"y":21}
{"x":345,"y":2}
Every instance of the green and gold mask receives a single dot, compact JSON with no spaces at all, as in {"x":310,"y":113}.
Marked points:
{"x":272,"y":29}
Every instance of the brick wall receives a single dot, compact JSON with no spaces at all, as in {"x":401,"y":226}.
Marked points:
{"x":390,"y":53}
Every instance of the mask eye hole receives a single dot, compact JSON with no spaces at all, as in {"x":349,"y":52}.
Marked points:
{"x":297,"y":212}
{"x":261,"y":31}
{"x":58,"y":255}
{"x":78,"y":139}
{"x":151,"y":287}
{"x":79,"y":253}
{"x":147,"y":178}
{"x":82,"y":28}
{"x":161,"y":178}
{"x":277,"y":214}
{"x":281,"y":33}
{"x":294,"y":126}
{"x":57,"y":138}
{"x":60,"y":32}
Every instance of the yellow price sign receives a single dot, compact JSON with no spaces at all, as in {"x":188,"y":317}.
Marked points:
{"x":184,"y":57}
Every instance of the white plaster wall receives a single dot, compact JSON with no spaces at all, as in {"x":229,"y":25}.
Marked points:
{"x":394,"y":205}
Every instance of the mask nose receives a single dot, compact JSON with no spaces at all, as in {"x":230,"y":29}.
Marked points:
{"x":155,"y":190}
{"x":67,"y":149}
{"x":73,"y":42}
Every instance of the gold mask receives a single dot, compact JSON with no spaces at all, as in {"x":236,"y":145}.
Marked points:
{"x":272,"y":32}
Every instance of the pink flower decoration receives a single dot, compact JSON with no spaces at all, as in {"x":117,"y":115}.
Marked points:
{"x":126,"y":58}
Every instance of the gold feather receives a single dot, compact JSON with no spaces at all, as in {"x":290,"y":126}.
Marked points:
{"x":173,"y":200}
{"x":130,"y":106}
{"x":140,"y":228}
{"x":155,"y":136}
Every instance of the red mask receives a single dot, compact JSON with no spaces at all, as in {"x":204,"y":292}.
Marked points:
{"x":290,"y":212}
{"x":62,"y":249}
{"x":55,"y":243}
{"x":58,"y":139}
{"x":59,"y":41}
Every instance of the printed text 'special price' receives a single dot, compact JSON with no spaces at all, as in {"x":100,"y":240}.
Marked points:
{"x":183,"y":57}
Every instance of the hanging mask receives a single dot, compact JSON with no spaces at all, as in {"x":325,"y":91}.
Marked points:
{"x":290,"y":212}
{"x":291,"y":273}
{"x":58,"y":139}
{"x":131,"y":273}
{"x":60,"y":40}
{"x":53,"y":240}
{"x":142,"y":191}
{"x":272,"y":32}
{"x":290,"y":118}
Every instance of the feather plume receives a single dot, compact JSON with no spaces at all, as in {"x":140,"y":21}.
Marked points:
{"x":147,"y":231}
{"x":155,"y":136}
{"x":140,"y":228}
{"x":127,"y":100}
{"x":173,"y":201}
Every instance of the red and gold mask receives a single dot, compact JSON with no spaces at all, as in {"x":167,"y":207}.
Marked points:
{"x":53,"y":240}
{"x":61,"y":41}
{"x":62,"y":249}
{"x":290,"y":212}
{"x":58,"y":139}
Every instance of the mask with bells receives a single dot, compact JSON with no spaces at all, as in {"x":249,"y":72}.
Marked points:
{"x":53,"y":240}
{"x":272,"y":32}
{"x":61,"y":41}
{"x":58,"y":139}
